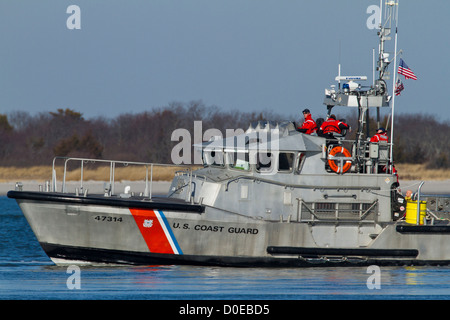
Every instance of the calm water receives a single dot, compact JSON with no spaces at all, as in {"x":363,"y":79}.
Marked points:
{"x":27,"y":273}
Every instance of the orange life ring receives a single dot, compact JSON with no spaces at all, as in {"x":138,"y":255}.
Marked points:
{"x":333,"y":165}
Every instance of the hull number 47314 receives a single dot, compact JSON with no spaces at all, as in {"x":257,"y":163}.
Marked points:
{"x":108,"y":219}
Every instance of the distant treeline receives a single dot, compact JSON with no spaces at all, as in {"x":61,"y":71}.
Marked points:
{"x":146,"y":137}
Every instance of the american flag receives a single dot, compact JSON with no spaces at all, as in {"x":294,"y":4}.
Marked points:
{"x":398,"y":87}
{"x":404,"y":70}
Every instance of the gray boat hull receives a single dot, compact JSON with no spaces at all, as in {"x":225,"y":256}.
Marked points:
{"x":98,"y":230}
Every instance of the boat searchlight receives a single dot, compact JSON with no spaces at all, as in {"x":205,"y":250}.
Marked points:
{"x":350,"y":85}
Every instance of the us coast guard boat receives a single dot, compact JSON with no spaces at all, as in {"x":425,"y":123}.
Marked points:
{"x":271,"y":196}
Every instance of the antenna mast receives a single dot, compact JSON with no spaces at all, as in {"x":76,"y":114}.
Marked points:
{"x":352,"y":94}
{"x":393,"y":8}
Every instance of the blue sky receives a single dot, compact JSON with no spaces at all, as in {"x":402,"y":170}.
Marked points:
{"x":248,"y":55}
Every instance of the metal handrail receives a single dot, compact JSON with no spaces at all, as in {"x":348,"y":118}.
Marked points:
{"x":299,"y":186}
{"x":112,"y":165}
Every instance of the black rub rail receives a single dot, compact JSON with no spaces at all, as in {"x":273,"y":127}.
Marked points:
{"x":343,"y":251}
{"x":160,"y":204}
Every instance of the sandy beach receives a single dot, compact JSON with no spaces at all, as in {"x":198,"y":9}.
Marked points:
{"x":162,"y":187}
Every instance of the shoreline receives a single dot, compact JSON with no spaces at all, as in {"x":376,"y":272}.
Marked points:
{"x":162,"y":187}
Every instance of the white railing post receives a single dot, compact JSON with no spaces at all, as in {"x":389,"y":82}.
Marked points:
{"x":418,"y":203}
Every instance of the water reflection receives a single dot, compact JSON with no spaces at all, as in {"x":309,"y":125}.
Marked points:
{"x":413,"y":276}
{"x":41,"y":281}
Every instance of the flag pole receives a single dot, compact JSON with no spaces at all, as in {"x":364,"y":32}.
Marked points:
{"x":393,"y":91}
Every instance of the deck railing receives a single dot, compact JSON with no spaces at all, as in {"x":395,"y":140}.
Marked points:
{"x":148,"y":173}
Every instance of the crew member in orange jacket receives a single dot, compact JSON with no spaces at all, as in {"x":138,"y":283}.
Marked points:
{"x":332,"y":126}
{"x":380,"y":136}
{"x":309,"y":125}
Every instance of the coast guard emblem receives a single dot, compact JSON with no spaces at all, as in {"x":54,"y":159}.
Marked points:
{"x":148,"y":223}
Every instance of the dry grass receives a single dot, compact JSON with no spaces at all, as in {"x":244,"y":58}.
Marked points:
{"x":129,"y":173}
{"x":421,"y":172}
{"x":134,"y":173}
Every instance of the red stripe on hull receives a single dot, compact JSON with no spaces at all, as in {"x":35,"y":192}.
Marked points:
{"x":152,"y":231}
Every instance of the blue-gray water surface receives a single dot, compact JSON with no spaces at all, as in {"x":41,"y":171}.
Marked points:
{"x":26,"y":273}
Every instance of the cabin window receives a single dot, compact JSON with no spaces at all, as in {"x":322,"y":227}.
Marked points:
{"x":285,"y":161}
{"x":299,"y":163}
{"x":240,"y":160}
{"x":264,"y":161}
{"x":213,"y":158}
